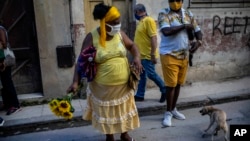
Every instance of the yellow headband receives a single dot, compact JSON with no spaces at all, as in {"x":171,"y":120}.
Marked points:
{"x":112,"y":14}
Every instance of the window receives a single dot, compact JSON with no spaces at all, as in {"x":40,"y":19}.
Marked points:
{"x":219,"y":3}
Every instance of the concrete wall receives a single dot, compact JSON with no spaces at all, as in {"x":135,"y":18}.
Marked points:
{"x":53,"y":29}
{"x":221,"y":55}
{"x":225,"y":51}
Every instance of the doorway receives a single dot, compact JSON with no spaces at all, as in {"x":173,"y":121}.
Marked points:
{"x":19,"y":20}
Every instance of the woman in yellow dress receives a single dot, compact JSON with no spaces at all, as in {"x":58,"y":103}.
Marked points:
{"x":110,"y":102}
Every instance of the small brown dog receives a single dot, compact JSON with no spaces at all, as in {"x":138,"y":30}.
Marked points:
{"x":217,"y":121}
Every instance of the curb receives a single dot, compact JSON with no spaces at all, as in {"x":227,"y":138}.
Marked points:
{"x":197,"y":102}
{"x":184,"y":103}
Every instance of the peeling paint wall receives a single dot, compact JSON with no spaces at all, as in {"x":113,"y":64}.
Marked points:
{"x":54,"y":28}
{"x":225,"y":51}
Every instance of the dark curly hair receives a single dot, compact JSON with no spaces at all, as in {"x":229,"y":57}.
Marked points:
{"x":100,"y":11}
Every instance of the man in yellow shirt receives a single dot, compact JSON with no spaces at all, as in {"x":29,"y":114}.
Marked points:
{"x":176,"y":24}
{"x":146,"y":40}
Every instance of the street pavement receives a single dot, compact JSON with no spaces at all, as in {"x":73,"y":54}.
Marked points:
{"x":151,"y":129}
{"x":39,"y":117}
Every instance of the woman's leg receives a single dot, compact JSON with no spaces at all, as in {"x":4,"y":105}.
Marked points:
{"x":125,"y":137}
{"x":110,"y":137}
{"x":9,"y":91}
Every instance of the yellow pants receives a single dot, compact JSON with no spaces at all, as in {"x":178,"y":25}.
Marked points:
{"x":174,"y":70}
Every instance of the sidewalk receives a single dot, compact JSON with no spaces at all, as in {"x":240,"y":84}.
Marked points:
{"x":191,"y":95}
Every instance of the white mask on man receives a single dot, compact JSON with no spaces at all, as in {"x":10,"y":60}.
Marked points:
{"x":114,"y":29}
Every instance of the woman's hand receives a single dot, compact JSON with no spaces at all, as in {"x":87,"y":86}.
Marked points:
{"x":137,"y":64}
{"x":73,"y":87}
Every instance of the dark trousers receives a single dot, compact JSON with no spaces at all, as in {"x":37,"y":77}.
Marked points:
{"x":9,"y":95}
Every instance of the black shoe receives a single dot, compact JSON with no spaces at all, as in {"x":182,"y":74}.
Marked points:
{"x":13,"y":110}
{"x":139,"y":99}
{"x":163,"y":98}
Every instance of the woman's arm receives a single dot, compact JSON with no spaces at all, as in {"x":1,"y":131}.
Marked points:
{"x":3,"y":39}
{"x":131,"y":46}
{"x":76,"y":77}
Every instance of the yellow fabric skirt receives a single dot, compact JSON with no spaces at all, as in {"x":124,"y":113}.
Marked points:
{"x":111,"y":109}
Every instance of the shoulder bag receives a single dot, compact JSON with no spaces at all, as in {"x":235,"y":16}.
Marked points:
{"x":86,"y":63}
{"x":10,"y":59}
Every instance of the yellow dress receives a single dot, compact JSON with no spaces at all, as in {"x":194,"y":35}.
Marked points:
{"x":110,"y":102}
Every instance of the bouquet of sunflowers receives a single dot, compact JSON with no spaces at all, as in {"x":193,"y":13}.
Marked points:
{"x":62,"y":107}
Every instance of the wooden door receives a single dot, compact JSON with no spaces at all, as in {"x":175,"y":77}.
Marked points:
{"x":18,"y":19}
{"x":90,"y":23}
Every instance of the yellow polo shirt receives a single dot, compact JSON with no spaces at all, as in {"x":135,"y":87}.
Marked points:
{"x":145,"y":29}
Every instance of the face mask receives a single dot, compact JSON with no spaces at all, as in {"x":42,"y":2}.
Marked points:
{"x":138,"y":17}
{"x":114,"y":29}
{"x":175,"y":5}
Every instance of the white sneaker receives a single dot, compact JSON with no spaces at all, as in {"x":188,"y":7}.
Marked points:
{"x":177,"y":114}
{"x":167,"y":119}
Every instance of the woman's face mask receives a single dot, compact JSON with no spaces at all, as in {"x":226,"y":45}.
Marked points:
{"x":175,"y":5}
{"x":114,"y":29}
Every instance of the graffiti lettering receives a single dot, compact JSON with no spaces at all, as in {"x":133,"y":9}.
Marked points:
{"x":216,"y":27}
{"x":246,"y":23}
{"x":231,"y":24}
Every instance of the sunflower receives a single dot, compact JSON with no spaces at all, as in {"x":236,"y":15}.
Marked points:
{"x":57,"y":112}
{"x":53,"y":104}
{"x":64,"y":106}
{"x":67,"y":115}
